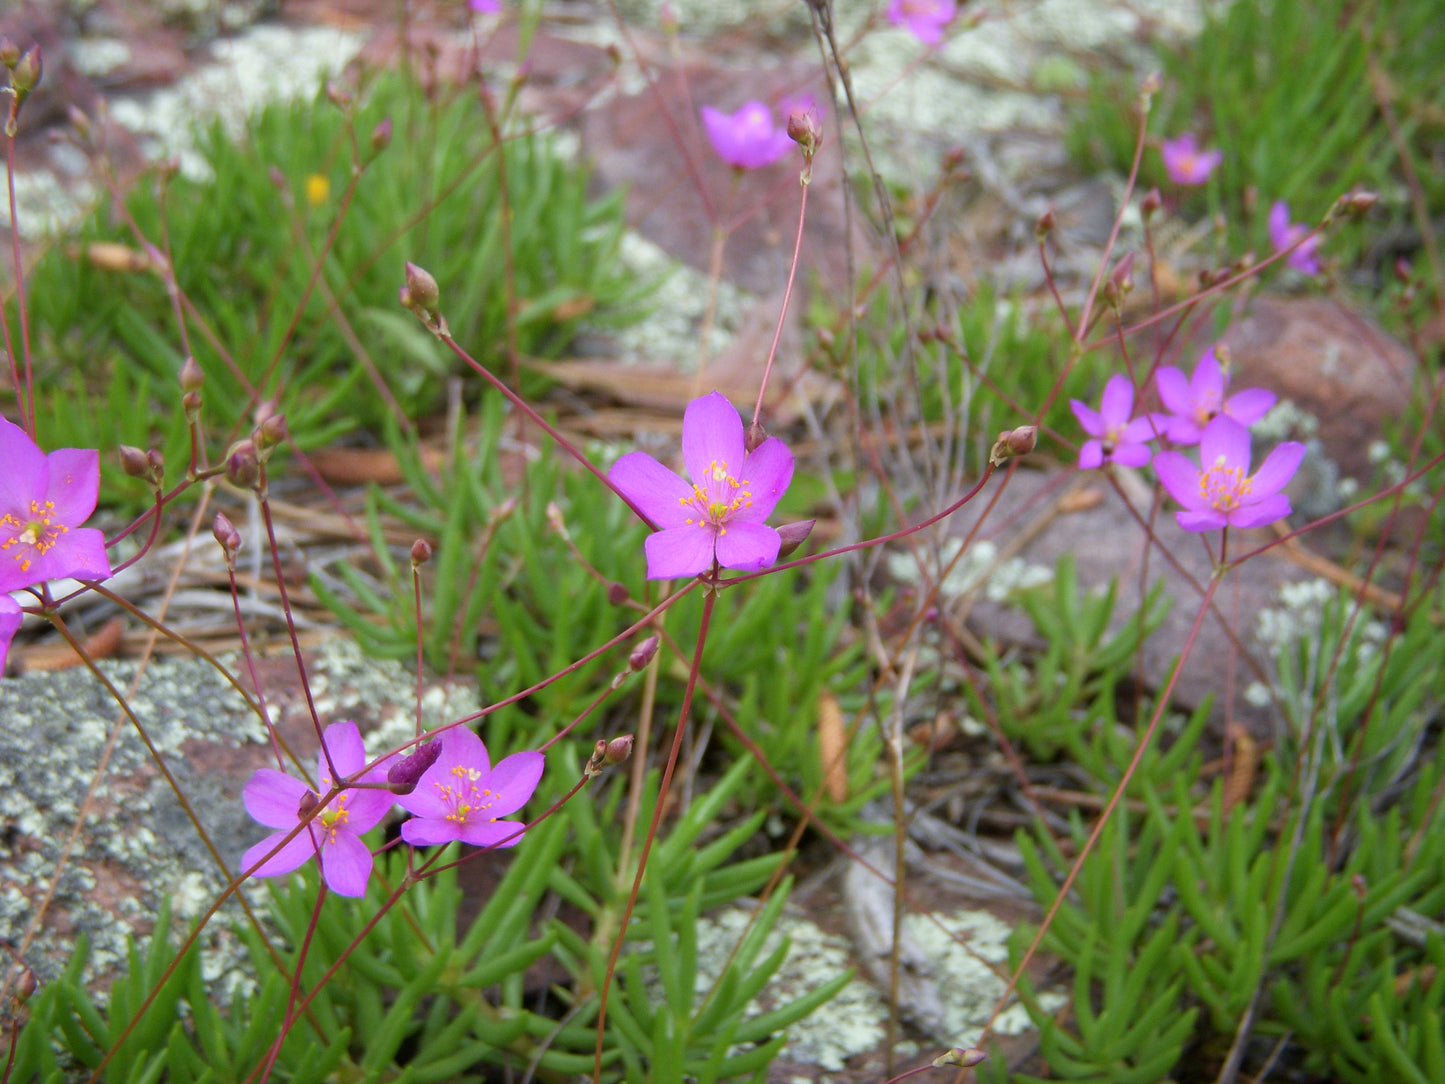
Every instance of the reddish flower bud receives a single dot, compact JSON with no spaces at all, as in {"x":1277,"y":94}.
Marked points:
{"x":642,"y":654}
{"x":794,"y":535}
{"x":804,"y":130}
{"x":555,"y":520}
{"x":754,"y":437}
{"x":337,"y":95}
{"x":422,"y":288}
{"x":381,"y":136}
{"x":1045,"y":225}
{"x":191,"y":375}
{"x":243,"y":468}
{"x":133,"y":461}
{"x":1014,"y":442}
{"x":9,"y":53}
{"x":618,"y":750}
{"x":420,"y":552}
{"x":1151,"y":203}
{"x":403,"y":776}
{"x":309,"y":801}
{"x":269,"y":434}
{"x":191,"y":404}
{"x":617,"y":594}
{"x":966,"y":1059}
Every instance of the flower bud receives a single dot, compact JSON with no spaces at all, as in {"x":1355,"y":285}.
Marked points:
{"x":191,"y":375}
{"x":420,"y":552}
{"x":794,"y":535}
{"x":754,"y":437}
{"x":243,"y":468}
{"x":502,"y":512}
{"x":381,"y":136}
{"x":9,"y":53}
{"x":618,"y":750}
{"x":555,"y":520}
{"x":79,"y":121}
{"x":269,"y":434}
{"x":26,"y":74}
{"x":421,"y":288}
{"x":1121,"y":281}
{"x":643,"y":653}
{"x":1403,"y":272}
{"x":133,"y":461}
{"x":965,"y":1059}
{"x":1045,"y":225}
{"x":1014,"y":442}
{"x":191,"y":404}
{"x":1151,"y":203}
{"x":337,"y":95}
{"x":617,"y":594}
{"x":155,"y":467}
{"x":804,"y":130}
{"x":309,"y":801}
{"x":225,"y":533}
{"x":403,"y":776}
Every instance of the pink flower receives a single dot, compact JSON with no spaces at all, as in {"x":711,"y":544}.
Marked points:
{"x":1185,"y":163}
{"x":10,"y":617}
{"x":1224,"y":493}
{"x":462,"y":797}
{"x":1117,"y":438}
{"x":719,"y":516}
{"x":276,"y":800}
{"x":486,"y":7}
{"x":1193,"y":404}
{"x":1285,"y":234}
{"x":747,"y":139}
{"x":924,"y":19}
{"x":44,"y":499}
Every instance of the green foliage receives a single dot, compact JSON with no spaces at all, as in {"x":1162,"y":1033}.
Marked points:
{"x":1283,"y":89}
{"x":1303,"y":902}
{"x":424,"y":999}
{"x":269,"y":321}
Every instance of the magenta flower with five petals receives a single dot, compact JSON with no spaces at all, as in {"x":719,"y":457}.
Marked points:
{"x":275,"y":799}
{"x":486,"y":7}
{"x":1185,"y":163}
{"x":1117,"y":438}
{"x":747,"y":139}
{"x":1194,"y":403}
{"x":718,"y":517}
{"x":462,"y":797}
{"x":1283,"y":234}
{"x":44,"y":499}
{"x":1223,"y":493}
{"x":924,"y":19}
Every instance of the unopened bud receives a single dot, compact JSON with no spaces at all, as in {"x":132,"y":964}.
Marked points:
{"x":1045,"y":225}
{"x":269,"y":434}
{"x":1358,"y":202}
{"x":500,"y":513}
{"x":132,"y":461}
{"x":1151,"y":203}
{"x":191,"y":375}
{"x":9,"y":53}
{"x":643,"y":653}
{"x":965,"y":1059}
{"x":381,"y":136}
{"x":155,"y":467}
{"x":754,"y":437}
{"x":243,"y":468}
{"x":23,"y":986}
{"x":337,"y":95}
{"x":1404,"y":274}
{"x":26,"y":74}
{"x":794,"y":535}
{"x":618,"y":750}
{"x":804,"y":130}
{"x":1012,"y":443}
{"x":617,"y":594}
{"x":1121,"y":281}
{"x":191,"y":404}
{"x":422,"y":288}
{"x":225,"y":533}
{"x":420,"y":552}
{"x":555,"y":520}
{"x":403,"y":776}
{"x":308,"y":803}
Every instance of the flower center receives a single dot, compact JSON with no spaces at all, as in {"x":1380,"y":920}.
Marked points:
{"x":716,"y":497}
{"x":33,"y":537}
{"x":466,"y":799}
{"x":334,"y":817}
{"x":1223,"y":486}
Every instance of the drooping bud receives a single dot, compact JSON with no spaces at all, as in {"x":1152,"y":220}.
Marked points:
{"x":617,"y":594}
{"x":403,"y":776}
{"x":381,"y":136}
{"x":794,"y":535}
{"x":754,"y":437}
{"x":132,"y":461}
{"x":420,"y":553}
{"x":643,"y":653}
{"x":243,"y":468}
{"x":1012,"y":443}
{"x":805,"y":131}
{"x":1045,"y":225}
{"x":422,"y":297}
{"x":309,"y":801}
{"x":268,"y":435}
{"x":225,"y":533}
{"x":1121,"y":281}
{"x":337,"y":95}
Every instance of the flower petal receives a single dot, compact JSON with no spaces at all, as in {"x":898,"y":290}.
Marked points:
{"x":79,"y":553}
{"x":712,"y":432}
{"x":274,"y":798}
{"x":480,"y":833}
{"x":1259,"y":513}
{"x":1088,"y":418}
{"x":678,"y":551}
{"x":513,"y":781}
{"x":1130,"y":454}
{"x":348,"y":752}
{"x":1179,"y":476}
{"x":1278,"y":468}
{"x":1224,"y":438}
{"x":293,"y":855}
{"x":1248,"y":406}
{"x":1202,"y":520}
{"x":367,"y":806}
{"x":748,"y":547}
{"x":23,"y":479}
{"x":1118,"y":401}
{"x":1208,"y":383}
{"x":1279,"y":225}
{"x":10,"y":617}
{"x":74,"y":483}
{"x":430,"y":831}
{"x":658,"y":492}
{"x":1174,"y":391}
{"x":346,"y":864}
{"x":1091,"y":455}
{"x":768,"y":471}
